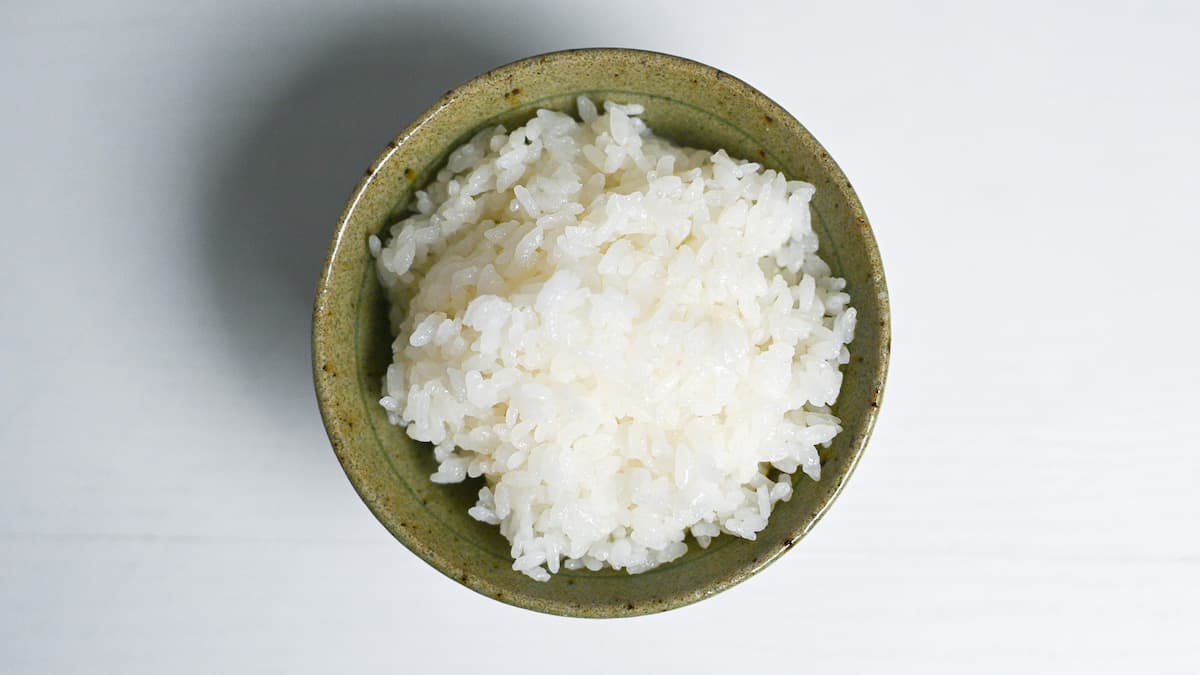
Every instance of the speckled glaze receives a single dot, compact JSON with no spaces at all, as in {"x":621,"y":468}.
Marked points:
{"x":690,"y":103}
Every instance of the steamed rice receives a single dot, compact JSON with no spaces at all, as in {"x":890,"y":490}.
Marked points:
{"x":631,"y":341}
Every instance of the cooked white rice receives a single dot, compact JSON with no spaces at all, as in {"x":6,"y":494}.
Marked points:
{"x":631,"y":341}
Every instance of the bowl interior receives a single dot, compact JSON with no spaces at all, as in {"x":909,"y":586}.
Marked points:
{"x":689,"y":103}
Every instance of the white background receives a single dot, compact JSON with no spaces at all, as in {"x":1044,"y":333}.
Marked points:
{"x":170,"y":173}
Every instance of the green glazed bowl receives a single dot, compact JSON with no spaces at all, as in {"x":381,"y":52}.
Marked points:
{"x":688,"y":102}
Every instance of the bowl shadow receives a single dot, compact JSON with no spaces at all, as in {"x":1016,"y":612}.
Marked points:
{"x":278,"y":175}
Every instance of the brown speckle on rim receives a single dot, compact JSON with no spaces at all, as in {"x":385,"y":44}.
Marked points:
{"x":629,"y":605}
{"x":824,"y":154}
{"x":328,"y":367}
{"x":410,"y":175}
{"x":762,"y":154}
{"x":515,"y":92}
{"x":788,"y":543}
{"x":392,"y":145}
{"x":768,"y":119}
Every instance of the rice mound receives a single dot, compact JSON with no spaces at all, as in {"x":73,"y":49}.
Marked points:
{"x":632,"y":341}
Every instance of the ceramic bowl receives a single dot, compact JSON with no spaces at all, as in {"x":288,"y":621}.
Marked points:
{"x":688,"y":102}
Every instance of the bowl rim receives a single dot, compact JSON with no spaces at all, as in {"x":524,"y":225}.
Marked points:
{"x":324,"y":385}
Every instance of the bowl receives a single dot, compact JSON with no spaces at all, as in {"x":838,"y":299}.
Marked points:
{"x":690,"y":103}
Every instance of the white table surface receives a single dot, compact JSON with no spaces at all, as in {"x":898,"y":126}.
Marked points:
{"x":170,"y":173}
